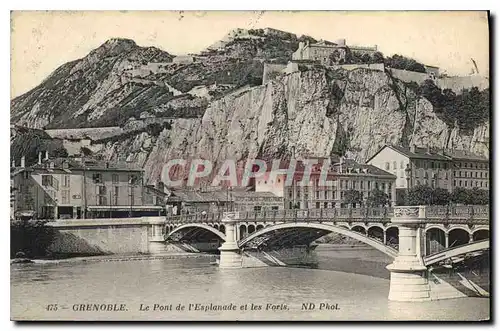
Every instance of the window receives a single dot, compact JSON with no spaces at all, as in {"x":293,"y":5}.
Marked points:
{"x":402,"y":165}
{"x":387,"y":166}
{"x":325,"y":205}
{"x":465,"y":183}
{"x":134,"y":179}
{"x":114,"y":178}
{"x":101,"y":201}
{"x":341,"y":195}
{"x":459,"y":174}
{"x":97,"y":178}
{"x":116,"y":190}
{"x":459,"y":183}
{"x":326,"y":195}
{"x":47,"y":180}
{"x":66,"y":181}
{"x":317,"y":194}
{"x":318,"y":205}
{"x":394,"y":165}
{"x":65,"y":197}
{"x":454,"y":183}
{"x":361,"y":185}
{"x":131,"y":195}
{"x":445,"y":166}
{"x":432,"y":164}
{"x":476,"y":174}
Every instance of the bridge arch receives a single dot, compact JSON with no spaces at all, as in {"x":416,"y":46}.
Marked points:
{"x":458,"y":237}
{"x":480,"y":234}
{"x":251,"y":229}
{"x":321,"y":226}
{"x":206,"y":227}
{"x":359,"y":228}
{"x":376,"y":232}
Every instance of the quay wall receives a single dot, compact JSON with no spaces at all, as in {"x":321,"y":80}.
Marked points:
{"x":101,"y":236}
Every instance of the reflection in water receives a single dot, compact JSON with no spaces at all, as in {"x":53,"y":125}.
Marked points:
{"x":360,"y":294}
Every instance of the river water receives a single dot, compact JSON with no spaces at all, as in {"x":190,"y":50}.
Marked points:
{"x":348,"y":285}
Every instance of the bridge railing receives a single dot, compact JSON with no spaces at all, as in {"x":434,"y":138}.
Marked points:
{"x":287,"y":215}
{"x":445,"y":214}
{"x":458,"y":214}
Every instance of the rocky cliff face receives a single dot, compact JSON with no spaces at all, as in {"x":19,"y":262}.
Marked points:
{"x":219,"y":109}
{"x":302,"y":111}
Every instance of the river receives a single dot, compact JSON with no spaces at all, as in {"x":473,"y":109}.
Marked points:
{"x":347,"y":285}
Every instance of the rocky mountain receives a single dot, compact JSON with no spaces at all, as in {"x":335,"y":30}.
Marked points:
{"x":213,"y":105}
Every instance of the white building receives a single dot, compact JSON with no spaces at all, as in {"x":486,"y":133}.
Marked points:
{"x":445,"y":169}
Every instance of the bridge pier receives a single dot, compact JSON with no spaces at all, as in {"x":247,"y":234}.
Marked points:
{"x":409,"y":279}
{"x":156,"y":237}
{"x":230,"y":254}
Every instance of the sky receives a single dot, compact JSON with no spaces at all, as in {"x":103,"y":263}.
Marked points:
{"x":41,"y":41}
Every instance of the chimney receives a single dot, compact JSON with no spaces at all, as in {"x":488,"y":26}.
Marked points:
{"x":428,"y":149}
{"x":40,"y":157}
{"x":23,"y":162}
{"x":412,"y":148}
{"x":46,"y":155}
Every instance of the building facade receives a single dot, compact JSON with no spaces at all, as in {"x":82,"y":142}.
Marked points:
{"x":328,"y":53}
{"x":342,"y":176}
{"x":75,"y":188}
{"x":445,"y":169}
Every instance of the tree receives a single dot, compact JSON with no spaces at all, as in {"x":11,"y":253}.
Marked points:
{"x":377,"y":198}
{"x":440,"y":196}
{"x":352,"y":197}
{"x":474,"y":196}
{"x":460,"y":195}
{"x":378,"y":57}
{"x":425,"y":195}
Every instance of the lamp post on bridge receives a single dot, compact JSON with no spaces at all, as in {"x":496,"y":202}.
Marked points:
{"x":408,"y":177}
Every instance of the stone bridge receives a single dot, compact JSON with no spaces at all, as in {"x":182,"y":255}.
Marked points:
{"x":444,"y":227}
{"x":415,"y":236}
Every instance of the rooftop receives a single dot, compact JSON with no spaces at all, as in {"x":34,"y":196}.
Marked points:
{"x":434,"y":153}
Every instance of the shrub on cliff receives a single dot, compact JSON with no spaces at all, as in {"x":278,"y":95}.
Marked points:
{"x":467,"y":110}
{"x":32,"y":237}
{"x":400,"y":62}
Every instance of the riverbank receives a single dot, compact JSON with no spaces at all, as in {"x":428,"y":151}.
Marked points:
{"x":173,"y":255}
{"x":115,"y":258}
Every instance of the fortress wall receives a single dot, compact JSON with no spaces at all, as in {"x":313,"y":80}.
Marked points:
{"x":456,"y":84}
{"x":373,"y":66}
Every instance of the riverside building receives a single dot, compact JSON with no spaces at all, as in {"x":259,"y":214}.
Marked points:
{"x":343,"y":175}
{"x":76,"y":188}
{"x":445,"y":168}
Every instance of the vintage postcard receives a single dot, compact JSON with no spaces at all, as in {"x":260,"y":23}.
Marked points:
{"x":250,"y":166}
